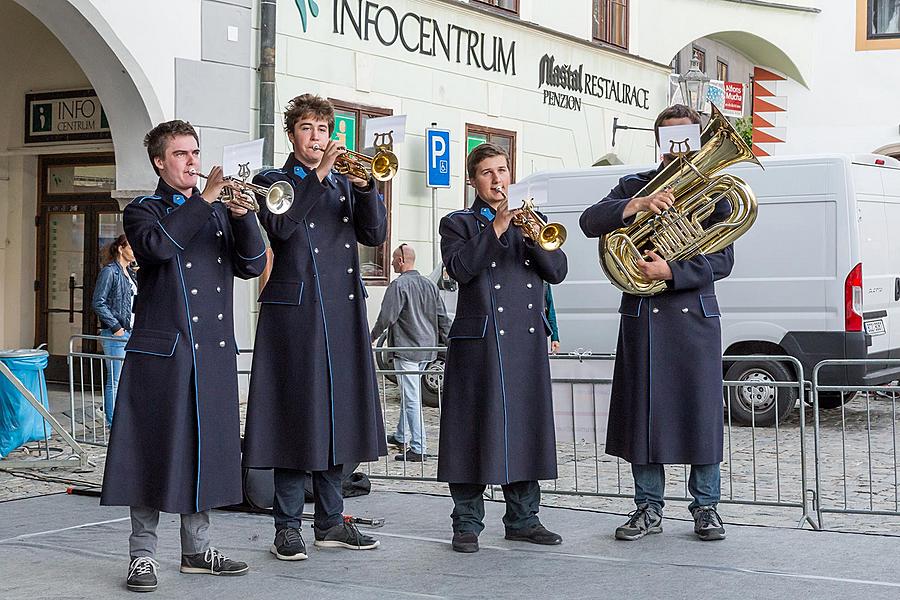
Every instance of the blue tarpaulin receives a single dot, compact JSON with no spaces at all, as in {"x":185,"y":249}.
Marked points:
{"x":20,"y":422}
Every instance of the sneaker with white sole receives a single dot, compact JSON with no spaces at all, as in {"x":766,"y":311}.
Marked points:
{"x":345,"y":535}
{"x":643,"y":521}
{"x":142,"y":574}
{"x":708,"y":524}
{"x":289,"y":545}
{"x":212,"y":562}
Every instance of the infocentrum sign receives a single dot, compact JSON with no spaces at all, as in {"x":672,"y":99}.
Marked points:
{"x":70,"y":116}
{"x":417,"y":34}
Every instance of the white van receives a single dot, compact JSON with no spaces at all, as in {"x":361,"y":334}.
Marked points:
{"x":816,"y":277}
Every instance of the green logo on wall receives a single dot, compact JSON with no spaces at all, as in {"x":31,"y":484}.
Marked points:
{"x":313,"y":10}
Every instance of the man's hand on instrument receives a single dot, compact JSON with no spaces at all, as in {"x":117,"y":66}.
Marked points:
{"x":241,"y":203}
{"x":654,"y":267}
{"x":503,"y":218}
{"x":215,"y":183}
{"x":656,"y":202}
{"x":330,"y":152}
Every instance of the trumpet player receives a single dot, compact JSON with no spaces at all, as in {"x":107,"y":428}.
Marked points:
{"x":666,"y":402}
{"x":313,"y":402}
{"x":497,"y":414}
{"x":175,"y":446}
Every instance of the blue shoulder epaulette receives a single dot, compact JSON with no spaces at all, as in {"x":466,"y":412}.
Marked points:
{"x":462,"y":211}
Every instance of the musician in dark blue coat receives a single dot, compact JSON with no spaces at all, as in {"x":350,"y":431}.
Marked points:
{"x":175,"y":444}
{"x":666,"y":402}
{"x":497,"y":411}
{"x":313,"y":394}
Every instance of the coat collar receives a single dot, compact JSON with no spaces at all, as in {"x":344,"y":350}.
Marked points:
{"x":172,"y":196}
{"x":299,"y":171}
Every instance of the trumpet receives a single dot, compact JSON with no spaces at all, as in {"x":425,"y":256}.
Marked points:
{"x":549,"y":236}
{"x":279,"y":196}
{"x":383,"y":166}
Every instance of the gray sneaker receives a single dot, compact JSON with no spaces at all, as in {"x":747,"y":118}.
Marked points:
{"x":345,"y":535}
{"x":212,"y":562}
{"x":642,"y":521}
{"x":142,"y":574}
{"x":708,"y":524}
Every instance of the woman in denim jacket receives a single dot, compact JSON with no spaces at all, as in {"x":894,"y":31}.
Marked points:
{"x":112,"y":301}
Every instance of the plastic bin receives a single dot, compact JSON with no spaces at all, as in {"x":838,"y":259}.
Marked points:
{"x":20,"y":422}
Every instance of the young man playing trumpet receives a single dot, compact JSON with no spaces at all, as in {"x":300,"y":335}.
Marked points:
{"x":175,"y":446}
{"x":497,"y":412}
{"x":313,"y":394}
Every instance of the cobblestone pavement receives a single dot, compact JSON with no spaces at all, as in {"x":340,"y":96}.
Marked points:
{"x":762,"y":467}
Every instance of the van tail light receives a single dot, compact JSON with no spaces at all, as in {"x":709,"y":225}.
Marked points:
{"x":853,"y":300}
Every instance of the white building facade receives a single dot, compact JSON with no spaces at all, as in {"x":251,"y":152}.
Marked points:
{"x":547,"y":80}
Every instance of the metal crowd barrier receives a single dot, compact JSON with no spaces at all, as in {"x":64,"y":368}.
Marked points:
{"x":86,"y":409}
{"x":855,"y":450}
{"x":852,"y":469}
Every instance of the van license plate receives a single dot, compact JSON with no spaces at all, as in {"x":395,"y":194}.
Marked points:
{"x":875,"y":327}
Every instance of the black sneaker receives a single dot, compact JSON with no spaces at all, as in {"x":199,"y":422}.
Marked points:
{"x":393,"y":441}
{"x":708,"y":524}
{"x":642,"y":521}
{"x":142,"y":574}
{"x":345,"y":535}
{"x":212,"y":562}
{"x":289,"y":545}
{"x":466,"y":542}
{"x":410,"y":456}
{"x":536,"y":535}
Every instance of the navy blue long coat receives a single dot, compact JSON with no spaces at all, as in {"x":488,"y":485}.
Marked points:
{"x":313,"y":392}
{"x":666,"y":403}
{"x":175,"y":439}
{"x":497,"y":411}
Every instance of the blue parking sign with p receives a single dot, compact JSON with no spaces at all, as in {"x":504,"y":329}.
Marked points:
{"x":437,"y":166}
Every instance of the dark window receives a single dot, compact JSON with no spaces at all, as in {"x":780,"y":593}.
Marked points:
{"x":700,"y":53}
{"x":721,"y":70}
{"x":506,"y":5}
{"x":676,"y":64}
{"x":476,"y":135}
{"x":884,"y":19}
{"x":611,"y":22}
{"x":350,"y":127}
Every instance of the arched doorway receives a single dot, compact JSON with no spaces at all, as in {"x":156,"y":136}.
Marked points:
{"x":60,"y":191}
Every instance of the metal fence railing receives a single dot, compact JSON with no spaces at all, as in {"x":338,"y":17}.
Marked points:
{"x":88,"y":374}
{"x":852,"y":466}
{"x":855,"y":451}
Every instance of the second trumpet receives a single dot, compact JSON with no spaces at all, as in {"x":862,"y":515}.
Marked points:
{"x":383,"y":166}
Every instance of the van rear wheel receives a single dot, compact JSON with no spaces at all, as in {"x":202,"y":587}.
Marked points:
{"x":757,"y":402}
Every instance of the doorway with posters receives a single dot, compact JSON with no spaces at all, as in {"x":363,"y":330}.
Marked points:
{"x":77,"y":218}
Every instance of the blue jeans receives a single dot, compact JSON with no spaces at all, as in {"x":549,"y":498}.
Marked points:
{"x":704,"y":485}
{"x":112,"y":346}
{"x":410,"y":427}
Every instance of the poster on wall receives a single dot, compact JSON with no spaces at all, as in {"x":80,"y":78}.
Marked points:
{"x":65,"y":116}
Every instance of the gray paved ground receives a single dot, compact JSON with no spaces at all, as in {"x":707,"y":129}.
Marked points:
{"x":68,"y":547}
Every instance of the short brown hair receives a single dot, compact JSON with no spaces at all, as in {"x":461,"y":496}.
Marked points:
{"x":158,"y":138}
{"x":676,"y":111}
{"x":308,"y":105}
{"x":481,"y":152}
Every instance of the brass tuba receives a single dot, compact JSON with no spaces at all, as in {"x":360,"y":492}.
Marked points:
{"x":677,"y":233}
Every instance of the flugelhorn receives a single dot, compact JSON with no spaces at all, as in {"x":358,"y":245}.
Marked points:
{"x":383,"y":166}
{"x":279,"y":196}
{"x":548,"y":236}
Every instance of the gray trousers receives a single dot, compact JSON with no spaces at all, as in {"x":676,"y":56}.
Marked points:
{"x":142,"y":542}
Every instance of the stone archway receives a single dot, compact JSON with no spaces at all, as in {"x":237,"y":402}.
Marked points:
{"x":130,"y":102}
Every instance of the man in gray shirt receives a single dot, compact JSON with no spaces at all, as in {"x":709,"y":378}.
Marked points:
{"x":415,"y":316}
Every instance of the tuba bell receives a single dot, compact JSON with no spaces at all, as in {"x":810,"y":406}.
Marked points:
{"x":678,"y":233}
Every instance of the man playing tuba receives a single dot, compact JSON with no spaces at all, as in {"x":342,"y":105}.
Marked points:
{"x":666,"y":403}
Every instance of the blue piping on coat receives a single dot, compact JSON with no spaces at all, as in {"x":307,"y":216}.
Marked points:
{"x":180,"y":247}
